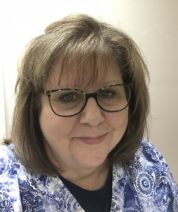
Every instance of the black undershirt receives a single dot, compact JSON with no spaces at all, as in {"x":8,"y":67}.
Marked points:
{"x":92,"y":201}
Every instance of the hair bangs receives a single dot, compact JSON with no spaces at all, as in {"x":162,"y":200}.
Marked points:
{"x":86,"y":62}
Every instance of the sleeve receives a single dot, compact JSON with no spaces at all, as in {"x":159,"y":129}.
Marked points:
{"x":165,"y":187}
{"x":9,"y":188}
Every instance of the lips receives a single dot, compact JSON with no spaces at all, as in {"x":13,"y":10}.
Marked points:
{"x":92,"y":140}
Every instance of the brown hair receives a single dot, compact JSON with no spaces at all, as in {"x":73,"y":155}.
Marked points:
{"x":83,"y":41}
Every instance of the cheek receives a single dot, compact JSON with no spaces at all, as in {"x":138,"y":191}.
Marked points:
{"x":119,"y":122}
{"x":120,"y":119}
{"x":54,"y":127}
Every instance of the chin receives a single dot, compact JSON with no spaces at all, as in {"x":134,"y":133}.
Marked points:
{"x":92,"y":163}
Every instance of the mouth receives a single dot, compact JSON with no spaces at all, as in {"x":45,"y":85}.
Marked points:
{"x":92,"y":140}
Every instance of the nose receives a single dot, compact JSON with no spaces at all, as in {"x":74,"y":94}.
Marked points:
{"x":92,"y":114}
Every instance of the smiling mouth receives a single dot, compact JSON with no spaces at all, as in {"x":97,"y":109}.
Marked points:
{"x":92,"y":140}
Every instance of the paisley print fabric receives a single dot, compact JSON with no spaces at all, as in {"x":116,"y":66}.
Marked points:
{"x":143,"y":185}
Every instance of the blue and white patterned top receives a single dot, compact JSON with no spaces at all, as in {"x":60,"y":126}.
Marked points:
{"x":144,"y":186}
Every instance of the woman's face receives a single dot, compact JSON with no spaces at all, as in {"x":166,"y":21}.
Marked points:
{"x":83,"y":141}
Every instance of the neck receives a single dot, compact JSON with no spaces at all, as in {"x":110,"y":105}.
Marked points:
{"x":88,"y":179}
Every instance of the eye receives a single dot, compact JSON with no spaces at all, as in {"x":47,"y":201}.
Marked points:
{"x":68,"y":97}
{"x":107,"y":93}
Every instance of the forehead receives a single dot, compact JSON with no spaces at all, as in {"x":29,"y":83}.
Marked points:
{"x":87,"y":76}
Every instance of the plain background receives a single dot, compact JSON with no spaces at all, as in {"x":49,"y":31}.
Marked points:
{"x":153,"y":24}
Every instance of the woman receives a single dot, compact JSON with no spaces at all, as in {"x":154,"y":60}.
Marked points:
{"x":77,"y":134}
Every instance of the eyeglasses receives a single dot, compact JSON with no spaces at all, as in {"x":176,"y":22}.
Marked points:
{"x":68,"y":102}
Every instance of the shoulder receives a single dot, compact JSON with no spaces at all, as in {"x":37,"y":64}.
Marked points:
{"x":145,"y":183}
{"x":150,"y":178}
{"x":150,"y":162}
{"x":149,"y":155}
{"x":9,"y":190}
{"x":9,"y":163}
{"x":147,"y":159}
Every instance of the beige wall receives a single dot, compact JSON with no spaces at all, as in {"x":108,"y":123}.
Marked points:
{"x":152,"y":23}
